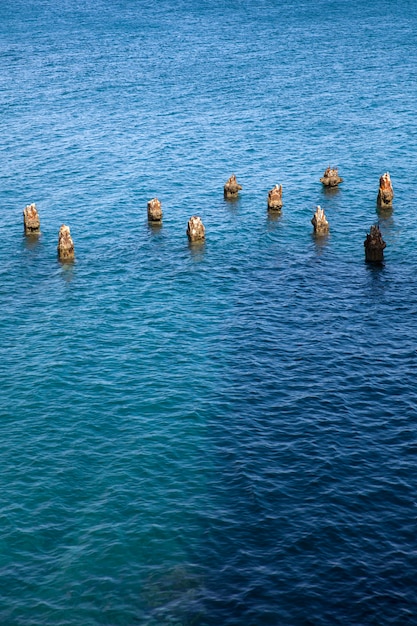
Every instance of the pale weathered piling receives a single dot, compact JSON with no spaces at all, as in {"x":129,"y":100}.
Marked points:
{"x":231,"y":188}
{"x":331,"y":177}
{"x":65,"y":244}
{"x":154,"y":210}
{"x":385,"y":192}
{"x":195,"y":229}
{"x":275,"y":198}
{"x":374,"y":245}
{"x":31,"y":221}
{"x":319,"y":221}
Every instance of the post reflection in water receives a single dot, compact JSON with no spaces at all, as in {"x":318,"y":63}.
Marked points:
{"x":154,"y":228}
{"x":31,"y":242}
{"x":273,"y":220}
{"x":197,"y":250}
{"x":320,"y":242}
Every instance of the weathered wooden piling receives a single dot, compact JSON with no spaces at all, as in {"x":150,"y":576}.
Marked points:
{"x":275,"y":198}
{"x":319,"y":221}
{"x":65,"y":244}
{"x":231,"y":188}
{"x":374,"y":246}
{"x":331,"y":177}
{"x":385,"y":192}
{"x":195,"y":229}
{"x":154,"y":210}
{"x":31,"y":221}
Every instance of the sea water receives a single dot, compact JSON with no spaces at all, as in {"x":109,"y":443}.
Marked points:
{"x":224,"y":433}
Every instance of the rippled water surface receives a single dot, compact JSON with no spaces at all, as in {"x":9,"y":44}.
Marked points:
{"x":224,"y":433}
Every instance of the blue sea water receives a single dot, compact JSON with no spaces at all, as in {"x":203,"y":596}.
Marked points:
{"x":216,"y":434}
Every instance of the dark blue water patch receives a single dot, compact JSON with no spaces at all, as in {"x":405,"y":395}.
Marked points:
{"x":220,"y":433}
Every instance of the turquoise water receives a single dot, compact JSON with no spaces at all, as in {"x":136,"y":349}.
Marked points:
{"x":218,"y":434}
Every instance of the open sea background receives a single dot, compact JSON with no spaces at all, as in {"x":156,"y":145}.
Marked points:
{"x":223,"y":434}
